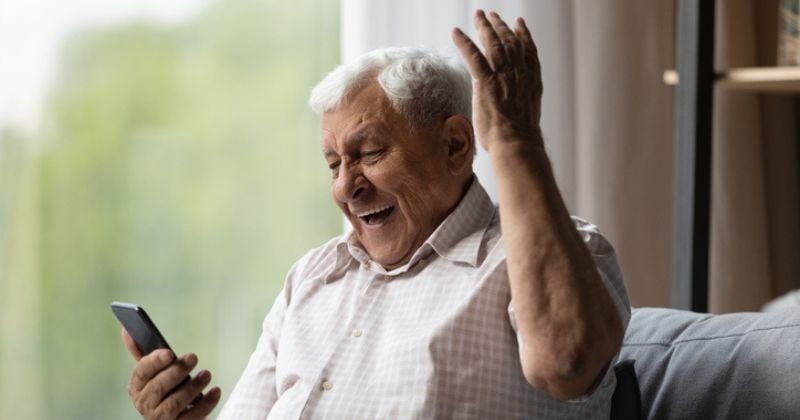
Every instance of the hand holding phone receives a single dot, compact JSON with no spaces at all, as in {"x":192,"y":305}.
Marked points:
{"x":160,"y":385}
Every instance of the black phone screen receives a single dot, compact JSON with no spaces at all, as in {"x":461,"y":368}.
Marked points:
{"x":139,"y":326}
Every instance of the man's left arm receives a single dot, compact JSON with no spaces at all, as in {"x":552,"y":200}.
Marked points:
{"x":568,"y":326}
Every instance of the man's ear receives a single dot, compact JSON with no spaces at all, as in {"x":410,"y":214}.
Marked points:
{"x":458,"y":136}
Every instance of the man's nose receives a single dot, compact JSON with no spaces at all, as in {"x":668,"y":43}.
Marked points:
{"x":349,"y":184}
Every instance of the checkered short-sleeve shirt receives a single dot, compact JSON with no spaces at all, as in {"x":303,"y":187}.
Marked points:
{"x":432,"y":339}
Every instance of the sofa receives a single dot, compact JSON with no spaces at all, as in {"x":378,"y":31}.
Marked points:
{"x":684,"y":365}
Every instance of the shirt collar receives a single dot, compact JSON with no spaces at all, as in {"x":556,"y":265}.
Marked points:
{"x":458,"y":238}
{"x":460,"y":235}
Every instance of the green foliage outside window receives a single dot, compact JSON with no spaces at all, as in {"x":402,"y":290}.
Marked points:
{"x":178,"y":168}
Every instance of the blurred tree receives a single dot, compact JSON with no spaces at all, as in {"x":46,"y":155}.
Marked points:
{"x":182,"y":172}
{"x":20,"y":338}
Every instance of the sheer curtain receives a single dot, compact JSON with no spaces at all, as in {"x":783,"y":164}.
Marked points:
{"x":367,"y":25}
{"x":607,"y":119}
{"x":610,"y":142}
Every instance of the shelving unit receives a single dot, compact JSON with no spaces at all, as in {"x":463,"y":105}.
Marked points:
{"x":756,"y":79}
{"x":693,"y":125}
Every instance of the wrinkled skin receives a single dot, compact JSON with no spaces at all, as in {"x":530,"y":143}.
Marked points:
{"x":568,"y":326}
{"x":379,"y":160}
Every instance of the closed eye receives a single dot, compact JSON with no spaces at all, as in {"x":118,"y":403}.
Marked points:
{"x":334,"y":167}
{"x":371,"y":154}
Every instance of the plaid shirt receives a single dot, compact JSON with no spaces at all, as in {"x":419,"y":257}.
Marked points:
{"x":435,"y":338}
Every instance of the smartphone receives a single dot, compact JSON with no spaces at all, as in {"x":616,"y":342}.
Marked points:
{"x":140,"y":327}
{"x":143,"y":332}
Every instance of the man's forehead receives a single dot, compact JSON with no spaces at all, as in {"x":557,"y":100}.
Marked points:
{"x":358,"y":134}
{"x":355,"y":119}
{"x":351,"y":119}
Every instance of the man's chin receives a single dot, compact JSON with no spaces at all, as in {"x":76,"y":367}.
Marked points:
{"x":387,"y":258}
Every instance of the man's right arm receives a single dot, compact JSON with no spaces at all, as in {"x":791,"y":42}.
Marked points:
{"x":256,"y":392}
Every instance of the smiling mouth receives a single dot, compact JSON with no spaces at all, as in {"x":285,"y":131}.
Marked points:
{"x":376,"y":216}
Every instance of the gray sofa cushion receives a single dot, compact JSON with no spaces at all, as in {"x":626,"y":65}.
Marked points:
{"x":702,"y":366}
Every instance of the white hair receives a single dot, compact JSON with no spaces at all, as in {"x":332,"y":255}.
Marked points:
{"x":421,"y":85}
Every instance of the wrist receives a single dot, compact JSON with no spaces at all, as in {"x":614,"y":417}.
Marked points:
{"x":528,"y":147}
{"x":507,"y":136}
{"x":512,"y":154}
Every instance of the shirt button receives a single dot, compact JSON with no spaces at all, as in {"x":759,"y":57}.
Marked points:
{"x":387,"y":278}
{"x":357,"y":333}
{"x":327,"y":385}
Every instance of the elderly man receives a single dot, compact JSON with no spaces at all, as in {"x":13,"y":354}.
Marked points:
{"x":437,"y":304}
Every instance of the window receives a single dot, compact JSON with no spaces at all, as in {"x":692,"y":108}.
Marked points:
{"x":174,"y":164}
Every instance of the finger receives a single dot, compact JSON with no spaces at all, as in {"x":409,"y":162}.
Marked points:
{"x":495,"y":52}
{"x":133,"y":349}
{"x":180,"y":397}
{"x":528,"y":46}
{"x":165,"y":381}
{"x":147,"y":367}
{"x":509,"y":39}
{"x":478,"y":66}
{"x":204,"y":407}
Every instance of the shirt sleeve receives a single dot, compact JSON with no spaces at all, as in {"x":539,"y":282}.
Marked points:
{"x":256,"y":392}
{"x":607,"y":265}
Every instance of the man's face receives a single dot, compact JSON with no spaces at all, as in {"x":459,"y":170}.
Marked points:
{"x":391,"y":181}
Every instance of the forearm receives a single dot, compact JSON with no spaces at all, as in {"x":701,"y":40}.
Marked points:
{"x":568,"y":326}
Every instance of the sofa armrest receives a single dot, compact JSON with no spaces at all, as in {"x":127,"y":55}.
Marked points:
{"x":703,"y":366}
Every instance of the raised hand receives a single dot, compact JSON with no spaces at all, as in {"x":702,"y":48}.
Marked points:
{"x":506,"y":80}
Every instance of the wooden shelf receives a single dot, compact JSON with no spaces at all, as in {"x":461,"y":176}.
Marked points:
{"x":760,"y":79}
